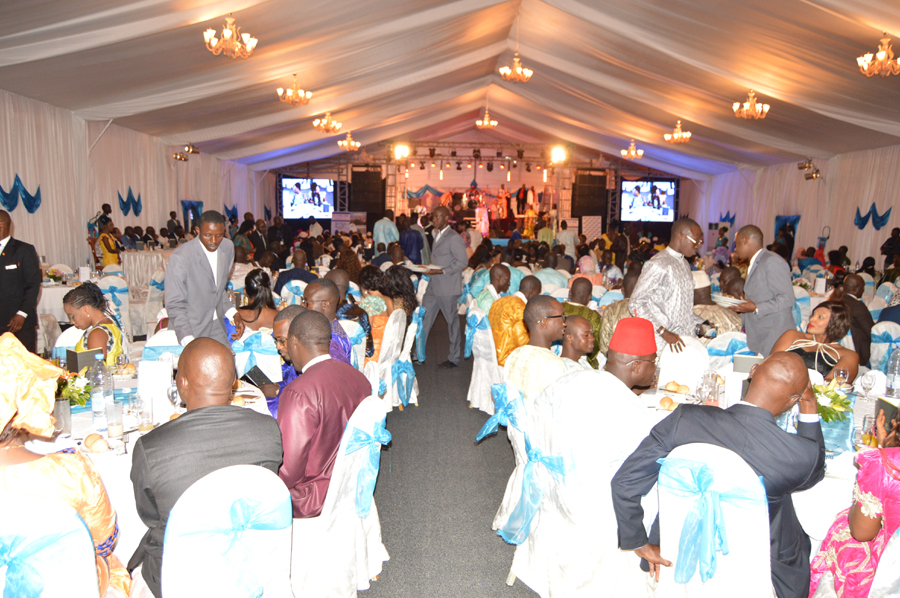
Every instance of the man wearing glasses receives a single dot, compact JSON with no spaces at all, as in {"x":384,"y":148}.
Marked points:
{"x":665,"y":291}
{"x":272,"y":390}
{"x":323,"y":296}
{"x":533,"y":367}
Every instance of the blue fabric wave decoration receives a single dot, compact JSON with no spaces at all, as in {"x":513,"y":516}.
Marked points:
{"x":728,"y":217}
{"x":703,"y":532}
{"x":194,"y":208}
{"x":885,"y":338}
{"x":506,"y":411}
{"x":861,"y":221}
{"x":368,"y":474}
{"x":10,"y":200}
{"x":735,"y":347}
{"x":130,"y":203}
{"x":267,"y":213}
{"x":518,"y":526}
{"x":254,"y":344}
{"x":154,"y":353}
{"x":421,"y":192}
{"x":473,"y":323}
{"x":113,"y":293}
{"x":402,"y":378}
{"x":230,"y":212}
{"x":878,"y":221}
{"x":418,"y":317}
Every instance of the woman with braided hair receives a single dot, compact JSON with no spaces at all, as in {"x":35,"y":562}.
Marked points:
{"x":86,"y":308}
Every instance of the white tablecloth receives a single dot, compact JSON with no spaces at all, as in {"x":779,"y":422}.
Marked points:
{"x":51,"y":301}
{"x":139,"y":266}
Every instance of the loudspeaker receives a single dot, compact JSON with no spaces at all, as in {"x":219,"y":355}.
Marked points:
{"x":367,"y":192}
{"x":589,"y":195}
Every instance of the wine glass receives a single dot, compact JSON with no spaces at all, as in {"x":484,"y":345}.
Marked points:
{"x":174,"y":398}
{"x":841,"y":375}
{"x":867,"y":382}
{"x":121,"y":360}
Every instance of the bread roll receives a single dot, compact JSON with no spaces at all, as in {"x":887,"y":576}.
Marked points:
{"x":672,"y":386}
{"x":665,"y":402}
{"x":238,"y":401}
{"x":684,"y":389}
{"x":96,"y":443}
{"x":174,"y":416}
{"x":720,"y":380}
{"x":673,"y":406}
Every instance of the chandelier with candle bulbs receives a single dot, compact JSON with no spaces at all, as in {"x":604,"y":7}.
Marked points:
{"x":518,"y":73}
{"x":751,"y":108}
{"x":233,"y":43}
{"x":326,"y":124}
{"x":632,"y":153}
{"x":881,"y":63}
{"x":293,"y":95}
{"x":486,"y":122}
{"x":348,"y":144}
{"x":678,"y":136}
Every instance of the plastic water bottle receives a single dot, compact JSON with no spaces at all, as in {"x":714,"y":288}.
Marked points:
{"x":893,"y":374}
{"x":102,"y":392}
{"x":856,"y":267}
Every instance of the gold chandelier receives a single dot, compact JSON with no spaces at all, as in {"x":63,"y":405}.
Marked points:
{"x":518,"y":73}
{"x":326,"y":124}
{"x":632,"y":153}
{"x":678,"y":136}
{"x":233,"y":44}
{"x":348,"y":144}
{"x":884,"y":63}
{"x":750,"y":108}
{"x":486,"y":122}
{"x":293,"y":95}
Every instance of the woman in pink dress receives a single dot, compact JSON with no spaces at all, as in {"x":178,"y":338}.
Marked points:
{"x":856,"y":540}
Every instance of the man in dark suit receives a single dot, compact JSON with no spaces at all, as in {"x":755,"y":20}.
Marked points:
{"x":20,"y":284}
{"x":313,"y":411}
{"x":258,"y":237}
{"x":861,"y":321}
{"x":449,"y":253}
{"x":213,"y":434}
{"x":769,"y":296}
{"x":281,"y":232}
{"x":298,"y":272}
{"x":786,"y":462}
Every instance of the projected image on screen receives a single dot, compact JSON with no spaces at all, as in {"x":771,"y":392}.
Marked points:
{"x":305,"y":198}
{"x":648,"y":201}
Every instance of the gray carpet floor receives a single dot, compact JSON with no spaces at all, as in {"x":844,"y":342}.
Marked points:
{"x":438,"y":491}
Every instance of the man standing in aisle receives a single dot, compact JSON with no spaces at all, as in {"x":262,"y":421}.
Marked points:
{"x":665,"y":291}
{"x":20,"y":283}
{"x":567,"y":238}
{"x":769,"y":296}
{"x":891,"y":247}
{"x":385,"y":231}
{"x":449,"y":254}
{"x":195,"y":283}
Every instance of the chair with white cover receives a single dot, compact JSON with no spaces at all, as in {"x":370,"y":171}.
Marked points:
{"x":292,"y":292}
{"x":229,"y":535}
{"x":113,"y":270}
{"x":423,"y":286}
{"x":67,"y":340}
{"x":810,"y":273}
{"x":564,"y":272}
{"x":257,"y":349}
{"x":338,"y":552}
{"x":357,"y":337}
{"x":404,"y":386}
{"x":886,"y":291}
{"x":62,"y":268}
{"x":155,"y":296}
{"x":714,"y":517}
{"x":886,"y":583}
{"x":686,"y":367}
{"x":353,"y":289}
{"x":48,"y":331}
{"x":47,"y":549}
{"x":801,"y":309}
{"x":391,"y":344}
{"x":479,"y":343}
{"x":610,"y":297}
{"x":163,"y":346}
{"x":885,"y":338}
{"x":115,"y":289}
{"x":549,"y":288}
{"x":525,"y":270}
{"x":561,"y":294}
{"x":795,"y":274}
{"x":869,"y":289}
{"x":875,"y":306}
{"x":724,"y":347}
{"x":418,"y":318}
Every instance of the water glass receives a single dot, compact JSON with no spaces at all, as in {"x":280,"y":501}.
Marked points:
{"x":145,"y":407}
{"x":841,"y":375}
{"x":114,"y":427}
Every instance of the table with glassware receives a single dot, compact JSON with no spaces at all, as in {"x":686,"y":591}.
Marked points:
{"x":139,"y":266}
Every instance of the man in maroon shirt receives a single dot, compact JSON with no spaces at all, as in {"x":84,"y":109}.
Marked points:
{"x":313,"y":411}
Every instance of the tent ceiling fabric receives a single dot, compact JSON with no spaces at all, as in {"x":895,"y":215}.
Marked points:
{"x":605,"y":72}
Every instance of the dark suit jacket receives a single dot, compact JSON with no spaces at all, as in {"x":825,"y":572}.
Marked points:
{"x":313,"y":411}
{"x":786,"y":462}
{"x":769,"y":286}
{"x":20,"y":283}
{"x":861,"y":323}
{"x":285,"y":276}
{"x":169,"y":459}
{"x":259,"y":243}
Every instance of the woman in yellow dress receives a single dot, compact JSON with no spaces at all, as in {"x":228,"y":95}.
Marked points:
{"x":27,"y":390}
{"x":86,"y":308}
{"x":107,"y":241}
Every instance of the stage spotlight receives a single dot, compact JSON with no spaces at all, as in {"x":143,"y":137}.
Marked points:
{"x":401,"y":152}
{"x":558,"y":154}
{"x":528,"y":167}
{"x":805,"y":165}
{"x":448,"y":164}
{"x":508,"y":176}
{"x":502,"y":166}
{"x":480,"y":165}
{"x":181,"y":157}
{"x":499,"y":153}
{"x":458,"y":166}
{"x":812,"y":174}
{"x":431,"y":152}
{"x":412,"y":164}
{"x":520,"y":153}
{"x":538,"y":166}
{"x":490,"y":167}
{"x":422,"y":166}
{"x":476,"y":153}
{"x":515,"y":164}
{"x":433,"y":164}
{"x":453,"y":154}
{"x":469,"y":165}
{"x":190,"y":149}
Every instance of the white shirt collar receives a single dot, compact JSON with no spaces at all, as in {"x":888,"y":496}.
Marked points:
{"x":492,"y":291}
{"x":753,"y":260}
{"x":314,"y":361}
{"x":673,"y":252}
{"x":520,"y":296}
{"x":3,"y":243}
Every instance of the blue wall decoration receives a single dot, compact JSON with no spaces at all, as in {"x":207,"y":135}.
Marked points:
{"x":10,"y":200}
{"x":130,"y":203}
{"x":267,"y":213}
{"x":231,"y":213}
{"x":426,"y":189}
{"x":791,"y":221}
{"x":194,"y":208}
{"x":877,"y":221}
{"x":728,"y":217}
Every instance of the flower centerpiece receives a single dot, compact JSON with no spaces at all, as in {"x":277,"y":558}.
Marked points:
{"x":802,"y":283}
{"x":833,"y":404}
{"x":74,"y":387}
{"x":55,"y":275}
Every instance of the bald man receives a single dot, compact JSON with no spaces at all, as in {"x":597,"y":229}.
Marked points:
{"x":786,"y":462}
{"x":323,"y":296}
{"x":212,"y":434}
{"x":298,"y":272}
{"x":861,"y":321}
{"x":577,"y":344}
{"x":20,"y":284}
{"x":499,"y":285}
{"x":579,"y":297}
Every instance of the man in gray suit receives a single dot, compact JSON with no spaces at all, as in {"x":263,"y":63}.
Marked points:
{"x":195,"y":283}
{"x":448,"y":252}
{"x":769,"y":296}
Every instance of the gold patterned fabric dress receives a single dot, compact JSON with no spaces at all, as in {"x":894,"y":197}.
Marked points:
{"x":507,"y":318}
{"x":532,"y":369}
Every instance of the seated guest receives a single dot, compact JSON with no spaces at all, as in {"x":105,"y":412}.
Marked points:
{"x":499,"y":284}
{"x":150,"y":238}
{"x":397,"y":258}
{"x":260,"y":310}
{"x":382,"y":256}
{"x":242,"y":239}
{"x":890,"y":314}
{"x":577,"y":344}
{"x":258,"y":238}
{"x":507,"y":318}
{"x":808,"y":259}
{"x":861,"y":321}
{"x":85,"y":305}
{"x":618,"y":310}
{"x":298,"y":272}
{"x":579,"y":297}
{"x":178,"y":234}
{"x":374,"y":301}
{"x":398,"y":286}
{"x":280,"y":329}
{"x":281,"y":255}
{"x":818,"y":346}
{"x":548,"y":274}
{"x":348,"y":308}
{"x":893,"y":273}
{"x":868,"y":267}
{"x":728,"y":274}
{"x":734,"y":288}
{"x":856,"y":540}
{"x":211,"y":435}
{"x":313,"y":412}
{"x":612,"y":274}
{"x":533,"y":367}
{"x":323,"y":296}
{"x":586,"y":262}
{"x":26,"y":404}
{"x":127,"y":240}
{"x":266,"y":261}
{"x":723,"y":319}
{"x":786,"y":463}
{"x":164,"y":236}
{"x":348,"y":261}
{"x":835,"y":262}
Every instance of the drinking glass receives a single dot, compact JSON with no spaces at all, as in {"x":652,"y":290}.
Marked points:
{"x":121,"y":360}
{"x":175,"y":399}
{"x":867,"y":382}
{"x":114,"y":427}
{"x":841,"y":375}
{"x":145,"y":408}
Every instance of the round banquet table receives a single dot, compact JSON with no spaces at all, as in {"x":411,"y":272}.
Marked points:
{"x":51,"y":301}
{"x":139,"y":266}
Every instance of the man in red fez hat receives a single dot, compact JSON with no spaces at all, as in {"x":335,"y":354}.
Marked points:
{"x":632,"y":353}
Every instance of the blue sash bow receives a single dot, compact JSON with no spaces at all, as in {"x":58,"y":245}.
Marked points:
{"x":368,"y":474}
{"x":517,"y":528}
{"x":159,"y":284}
{"x":703,"y":532}
{"x":358,"y":338}
{"x":254,"y":345}
{"x":473,"y":323}
{"x":113,"y":293}
{"x":885,"y":338}
{"x":154,"y":353}
{"x":402,"y":377}
{"x":506,"y":411}
{"x":735,"y":347}
{"x":293,"y":289}
{"x":22,"y":579}
{"x":466,"y":292}
{"x":418,"y":317}
{"x":382,"y":388}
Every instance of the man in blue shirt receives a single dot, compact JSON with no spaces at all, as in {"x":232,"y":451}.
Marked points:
{"x":382,"y":256}
{"x":515,"y":235}
{"x":410,"y":241}
{"x":890,"y":314}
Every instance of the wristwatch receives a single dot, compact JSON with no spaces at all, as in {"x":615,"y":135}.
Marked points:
{"x":660,"y":330}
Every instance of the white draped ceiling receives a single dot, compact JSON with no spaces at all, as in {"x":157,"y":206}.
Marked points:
{"x":605,"y":72}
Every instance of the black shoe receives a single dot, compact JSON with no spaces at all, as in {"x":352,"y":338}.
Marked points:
{"x":447,"y":365}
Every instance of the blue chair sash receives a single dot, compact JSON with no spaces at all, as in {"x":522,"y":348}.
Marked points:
{"x":473,"y":323}
{"x":368,"y":474}
{"x":22,"y":579}
{"x":418,"y":317}
{"x":506,"y":411}
{"x":358,"y":338}
{"x":885,"y":338}
{"x":154,"y":353}
{"x":113,"y":292}
{"x":158,"y":284}
{"x":402,"y":377}
{"x":703,"y":532}
{"x":517,"y":528}
{"x":735,"y":347}
{"x":255,"y":346}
